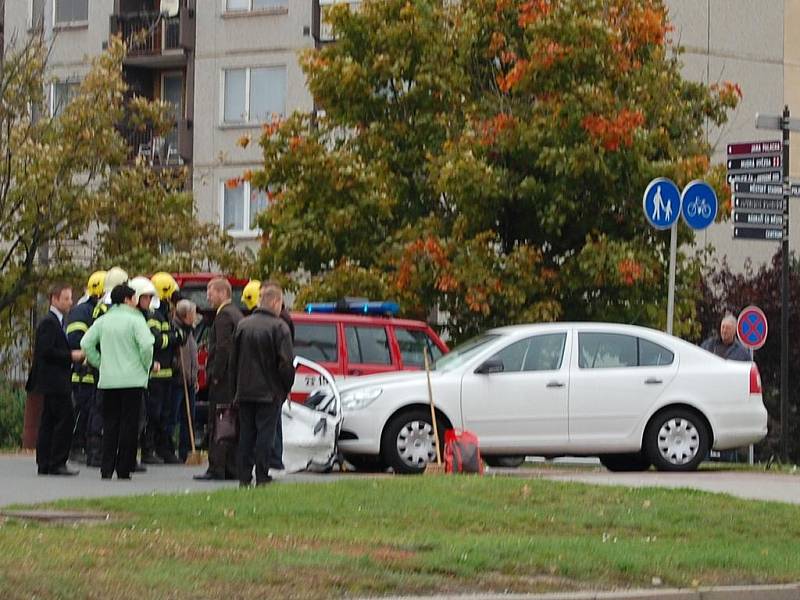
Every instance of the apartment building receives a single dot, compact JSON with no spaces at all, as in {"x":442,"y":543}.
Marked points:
{"x":227,"y":66}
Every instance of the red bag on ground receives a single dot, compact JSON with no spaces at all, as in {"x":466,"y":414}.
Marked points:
{"x":462,"y":452}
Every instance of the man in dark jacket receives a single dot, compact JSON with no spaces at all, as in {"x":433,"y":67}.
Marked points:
{"x":50,"y":376}
{"x":263,"y":374}
{"x":726,"y":345}
{"x":222,"y":456}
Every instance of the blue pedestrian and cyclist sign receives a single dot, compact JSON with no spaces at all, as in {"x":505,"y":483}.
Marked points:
{"x":752,"y":327}
{"x":698,"y":204}
{"x":662,"y":203}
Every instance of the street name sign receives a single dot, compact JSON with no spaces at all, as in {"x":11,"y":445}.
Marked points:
{"x":754,"y":163}
{"x":759,"y":189}
{"x":764,"y":205}
{"x":755,"y":148}
{"x":769,"y":234}
{"x":758,"y":219}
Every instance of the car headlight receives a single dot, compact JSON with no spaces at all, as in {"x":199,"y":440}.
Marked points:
{"x":360,"y":398}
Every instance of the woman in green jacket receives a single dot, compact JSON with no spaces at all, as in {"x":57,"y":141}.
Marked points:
{"x":124,"y":359}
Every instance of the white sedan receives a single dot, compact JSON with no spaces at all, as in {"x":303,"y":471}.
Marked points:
{"x":633,"y":396}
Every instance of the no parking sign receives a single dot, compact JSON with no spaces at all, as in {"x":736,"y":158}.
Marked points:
{"x":752,"y":327}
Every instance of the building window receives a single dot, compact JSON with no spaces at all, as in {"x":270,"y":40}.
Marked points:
{"x":254,"y":95}
{"x":71,"y":11}
{"x":241,"y":206}
{"x":36,"y":22}
{"x":254,"y":5}
{"x":61,"y":94}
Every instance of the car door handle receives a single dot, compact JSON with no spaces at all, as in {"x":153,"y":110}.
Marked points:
{"x":652,"y":380}
{"x":555,"y":384}
{"x":354,"y":372}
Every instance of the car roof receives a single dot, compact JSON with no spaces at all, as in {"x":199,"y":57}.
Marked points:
{"x":304,"y":317}
{"x":203,"y":278}
{"x":560,"y":325}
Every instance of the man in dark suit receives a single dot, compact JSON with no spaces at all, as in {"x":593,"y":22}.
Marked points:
{"x":50,"y":375}
{"x":222,"y":457}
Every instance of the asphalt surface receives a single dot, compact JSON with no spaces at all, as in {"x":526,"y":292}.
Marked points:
{"x":21,"y":484}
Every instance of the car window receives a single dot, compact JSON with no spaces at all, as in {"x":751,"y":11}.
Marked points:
{"x":411,"y":343}
{"x":367,"y":345}
{"x":537,"y":353}
{"x":512,"y":356}
{"x":464,"y":352}
{"x":316,"y":341}
{"x":606,"y":350}
{"x":545,"y":352}
{"x":653,"y":355}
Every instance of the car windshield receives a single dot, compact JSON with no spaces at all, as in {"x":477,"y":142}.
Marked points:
{"x":464,"y":352}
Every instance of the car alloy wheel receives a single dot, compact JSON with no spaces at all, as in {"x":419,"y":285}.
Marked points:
{"x":407,"y":443}
{"x":415,"y":444}
{"x":677,"y":440}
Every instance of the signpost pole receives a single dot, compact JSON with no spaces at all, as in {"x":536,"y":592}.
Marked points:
{"x":785,"y":291}
{"x":673,"y":252}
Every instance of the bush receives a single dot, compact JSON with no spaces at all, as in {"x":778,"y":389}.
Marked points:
{"x":12,"y":412}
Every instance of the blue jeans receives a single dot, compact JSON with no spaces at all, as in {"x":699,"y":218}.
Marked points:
{"x":179,"y":418}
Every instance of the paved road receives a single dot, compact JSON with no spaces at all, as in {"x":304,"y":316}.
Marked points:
{"x":752,"y":485}
{"x":21,"y":484}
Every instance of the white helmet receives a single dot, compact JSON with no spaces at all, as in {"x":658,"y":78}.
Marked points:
{"x":143,"y":287}
{"x":114,"y":277}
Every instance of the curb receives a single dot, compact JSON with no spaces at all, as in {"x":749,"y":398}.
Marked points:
{"x":744,"y":592}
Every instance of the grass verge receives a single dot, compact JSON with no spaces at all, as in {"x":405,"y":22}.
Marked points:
{"x":400,"y":536}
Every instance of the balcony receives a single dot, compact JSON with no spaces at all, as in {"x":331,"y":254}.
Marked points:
{"x":156,"y":40}
{"x":171,"y":150}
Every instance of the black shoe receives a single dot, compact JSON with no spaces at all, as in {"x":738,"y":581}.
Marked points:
{"x":264,"y":481}
{"x":63,"y":470}
{"x":169,"y":458}
{"x":105,"y":475}
{"x":77,"y":456}
{"x":43,"y":471}
{"x":124,"y":476}
{"x":208,"y":477}
{"x":94,"y":462}
{"x":149,"y":458}
{"x":245,"y":484}
{"x":140,"y":468}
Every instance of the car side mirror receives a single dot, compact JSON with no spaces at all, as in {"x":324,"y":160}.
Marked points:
{"x":493,"y":365}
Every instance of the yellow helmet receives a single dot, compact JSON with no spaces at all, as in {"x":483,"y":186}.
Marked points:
{"x":114,"y":277}
{"x":250,"y":293}
{"x":95,"y":285}
{"x":165,"y":285}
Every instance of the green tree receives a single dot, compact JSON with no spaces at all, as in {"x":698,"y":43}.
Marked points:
{"x":66,"y":175}
{"x":490,"y":156}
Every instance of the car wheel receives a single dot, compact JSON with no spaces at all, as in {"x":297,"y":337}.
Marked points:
{"x":676,"y":440}
{"x":365,"y":463}
{"x":407,"y":445}
{"x":625,"y":462}
{"x":509,"y":462}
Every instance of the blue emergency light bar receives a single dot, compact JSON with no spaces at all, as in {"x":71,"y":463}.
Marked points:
{"x":358,"y":307}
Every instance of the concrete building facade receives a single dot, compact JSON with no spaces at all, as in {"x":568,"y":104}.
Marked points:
{"x":750,"y":43}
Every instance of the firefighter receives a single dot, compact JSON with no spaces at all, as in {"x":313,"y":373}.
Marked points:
{"x":157,"y":444}
{"x":83,"y":375}
{"x":94,"y":425}
{"x":250,"y":294}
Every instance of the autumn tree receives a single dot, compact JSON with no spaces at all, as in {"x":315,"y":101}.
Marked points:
{"x":67,"y":183}
{"x":489,"y":157}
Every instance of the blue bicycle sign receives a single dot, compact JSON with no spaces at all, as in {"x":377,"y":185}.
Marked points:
{"x":698,"y":204}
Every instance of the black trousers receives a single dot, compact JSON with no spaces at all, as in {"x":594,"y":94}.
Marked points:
{"x":223,"y":458}
{"x":83,"y":401}
{"x":55,"y":432}
{"x":121,"y":409}
{"x":155,"y":431}
{"x":257,"y":422}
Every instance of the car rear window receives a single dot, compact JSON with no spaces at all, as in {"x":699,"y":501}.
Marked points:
{"x":610,"y":350}
{"x":367,"y":345}
{"x":316,"y":341}
{"x":412,"y":342}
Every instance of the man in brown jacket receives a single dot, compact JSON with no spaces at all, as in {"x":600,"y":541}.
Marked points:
{"x":221,"y":457}
{"x":263,"y":374}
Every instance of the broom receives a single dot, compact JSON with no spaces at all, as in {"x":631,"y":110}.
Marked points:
{"x":194,"y":457}
{"x":438,"y":467}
